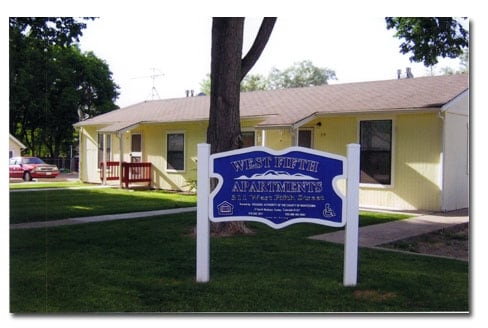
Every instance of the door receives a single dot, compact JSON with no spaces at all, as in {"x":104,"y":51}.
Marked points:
{"x":136,"y":148}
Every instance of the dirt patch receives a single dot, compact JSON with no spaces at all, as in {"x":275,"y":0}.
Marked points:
{"x":373,"y":295}
{"x":450,"y":242}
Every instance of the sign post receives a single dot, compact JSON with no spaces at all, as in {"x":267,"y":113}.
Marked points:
{"x":203,"y":224}
{"x":278,"y":188}
{"x":351,"y":230}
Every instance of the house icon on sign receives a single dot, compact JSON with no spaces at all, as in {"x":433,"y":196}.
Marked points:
{"x":225,"y":208}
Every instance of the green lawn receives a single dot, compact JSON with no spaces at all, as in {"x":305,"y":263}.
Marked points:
{"x":48,"y":184}
{"x":45,"y":205}
{"x":148,"y":265}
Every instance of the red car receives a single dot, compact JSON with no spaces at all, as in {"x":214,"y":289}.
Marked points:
{"x":28,"y":168}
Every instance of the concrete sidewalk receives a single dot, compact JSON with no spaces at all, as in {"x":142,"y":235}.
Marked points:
{"x":378,"y":234}
{"x":369,"y":236}
{"x":101,"y":218}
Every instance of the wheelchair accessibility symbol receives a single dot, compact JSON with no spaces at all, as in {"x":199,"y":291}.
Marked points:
{"x":328,"y":212}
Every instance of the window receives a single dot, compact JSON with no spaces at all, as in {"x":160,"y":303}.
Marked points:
{"x":108,"y":139}
{"x":175,"y":151}
{"x":375,"y":139}
{"x":247,"y":139}
{"x":136,"y":143}
{"x":305,"y":138}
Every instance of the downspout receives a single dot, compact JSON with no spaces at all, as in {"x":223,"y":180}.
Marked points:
{"x":442,"y":116}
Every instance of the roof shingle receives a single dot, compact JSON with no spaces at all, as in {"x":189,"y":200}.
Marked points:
{"x":288,"y":106}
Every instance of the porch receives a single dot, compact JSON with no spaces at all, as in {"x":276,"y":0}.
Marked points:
{"x":131,"y":173}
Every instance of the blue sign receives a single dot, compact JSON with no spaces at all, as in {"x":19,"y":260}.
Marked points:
{"x":277,"y":188}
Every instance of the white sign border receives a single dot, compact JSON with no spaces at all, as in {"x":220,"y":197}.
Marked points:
{"x":278,"y":153}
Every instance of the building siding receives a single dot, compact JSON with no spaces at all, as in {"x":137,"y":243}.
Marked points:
{"x":416,"y":166}
{"x":416,"y":162}
{"x":416,"y":155}
{"x":88,"y":162}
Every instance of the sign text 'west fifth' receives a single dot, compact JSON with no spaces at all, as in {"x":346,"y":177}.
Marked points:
{"x":277,"y":188}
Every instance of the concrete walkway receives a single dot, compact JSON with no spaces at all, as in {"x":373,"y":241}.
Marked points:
{"x":378,"y":234}
{"x":369,"y":236}
{"x":100,"y":218}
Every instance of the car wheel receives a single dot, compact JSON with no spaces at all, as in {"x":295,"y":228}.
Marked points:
{"x":27,"y":176}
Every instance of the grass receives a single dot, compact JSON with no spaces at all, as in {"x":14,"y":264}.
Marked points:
{"x":49,"y":184}
{"x":45,"y":205}
{"x":148,"y":265}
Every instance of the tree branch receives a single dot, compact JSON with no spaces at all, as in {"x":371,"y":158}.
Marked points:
{"x":258,"y":46}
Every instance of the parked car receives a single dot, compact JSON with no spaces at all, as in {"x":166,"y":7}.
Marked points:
{"x":28,"y":168}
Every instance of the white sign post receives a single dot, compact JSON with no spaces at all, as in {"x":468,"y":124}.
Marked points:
{"x":351,"y":230}
{"x":278,"y":188}
{"x":203,"y":223}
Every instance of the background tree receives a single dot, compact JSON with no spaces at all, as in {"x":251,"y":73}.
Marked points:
{"x":429,"y":38}
{"x":52,"y":84}
{"x":205,"y":85}
{"x":228,"y":68}
{"x":300,"y":74}
{"x":254,"y":82}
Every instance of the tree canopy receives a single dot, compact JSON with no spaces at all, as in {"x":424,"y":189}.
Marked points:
{"x":429,"y":38}
{"x":53,"y":84}
{"x":300,"y":74}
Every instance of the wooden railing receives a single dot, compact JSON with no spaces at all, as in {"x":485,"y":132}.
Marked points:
{"x":131,"y":172}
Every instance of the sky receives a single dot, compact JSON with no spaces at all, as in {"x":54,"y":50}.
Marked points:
{"x":172,"y":53}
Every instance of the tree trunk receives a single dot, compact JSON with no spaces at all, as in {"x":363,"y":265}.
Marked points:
{"x":227,"y":71}
{"x":224,"y":126}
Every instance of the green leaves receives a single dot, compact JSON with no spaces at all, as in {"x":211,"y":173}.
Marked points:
{"x":300,"y":74}
{"x":53,"y":84}
{"x":429,"y":38}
